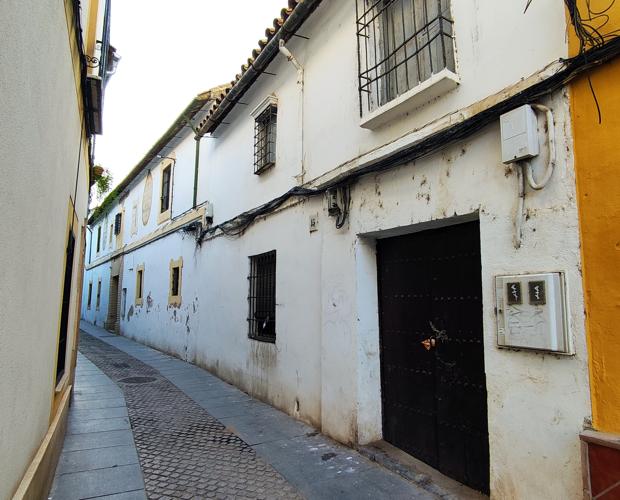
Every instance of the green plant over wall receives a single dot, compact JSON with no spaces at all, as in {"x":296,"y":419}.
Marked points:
{"x":103,"y":181}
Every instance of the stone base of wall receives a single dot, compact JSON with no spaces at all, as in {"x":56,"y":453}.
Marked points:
{"x":601,"y":465}
{"x":37,"y":480}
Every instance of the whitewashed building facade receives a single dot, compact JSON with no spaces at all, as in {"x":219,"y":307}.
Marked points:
{"x":401,"y":216}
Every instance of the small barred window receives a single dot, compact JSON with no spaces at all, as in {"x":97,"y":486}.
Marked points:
{"x":265,"y":139}
{"x":262,"y":297}
{"x":165,"y":189}
{"x":118,"y":219}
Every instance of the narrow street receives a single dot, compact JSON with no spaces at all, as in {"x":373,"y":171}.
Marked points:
{"x":301,"y":249}
{"x":146,"y":425}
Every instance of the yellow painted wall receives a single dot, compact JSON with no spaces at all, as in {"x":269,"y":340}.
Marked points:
{"x":39,"y":169}
{"x":597,"y":150}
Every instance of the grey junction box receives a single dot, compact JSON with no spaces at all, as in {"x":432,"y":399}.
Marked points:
{"x":531,"y":312}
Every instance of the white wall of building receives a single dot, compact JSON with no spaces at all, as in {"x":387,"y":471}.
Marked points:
{"x":96,"y":315}
{"x":324,"y":367}
{"x":183,"y":180}
{"x":155,"y":322}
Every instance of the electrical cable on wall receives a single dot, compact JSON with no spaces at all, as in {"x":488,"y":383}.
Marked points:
{"x":525,"y":174}
{"x":77,"y":176}
{"x":345,"y":198}
{"x":520,"y":212}
{"x":588,"y":28}
{"x":552,"y":152}
{"x":589,"y":31}
{"x":237,"y":225}
{"x":573,"y":68}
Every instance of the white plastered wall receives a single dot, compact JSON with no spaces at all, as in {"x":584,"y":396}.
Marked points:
{"x":537,"y":402}
{"x":326,"y":359}
{"x":93,"y":314}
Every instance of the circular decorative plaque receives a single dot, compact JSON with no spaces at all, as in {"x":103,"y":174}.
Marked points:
{"x":147,"y":198}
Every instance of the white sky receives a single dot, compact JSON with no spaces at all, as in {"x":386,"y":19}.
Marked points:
{"x":171,"y":51}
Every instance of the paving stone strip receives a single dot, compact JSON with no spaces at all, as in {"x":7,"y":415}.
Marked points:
{"x":184,"y":452}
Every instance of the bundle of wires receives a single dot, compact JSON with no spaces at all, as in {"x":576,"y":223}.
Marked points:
{"x":590,"y":30}
{"x":590,"y":27}
{"x":596,"y":49}
{"x":237,"y":225}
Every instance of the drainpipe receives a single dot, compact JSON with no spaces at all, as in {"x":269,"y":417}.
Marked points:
{"x":90,"y":245}
{"x":197,"y":138}
{"x":299,"y":14}
{"x":300,"y":81}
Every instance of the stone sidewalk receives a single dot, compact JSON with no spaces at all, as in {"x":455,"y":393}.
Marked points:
{"x":99,"y":457}
{"x":199,"y":437}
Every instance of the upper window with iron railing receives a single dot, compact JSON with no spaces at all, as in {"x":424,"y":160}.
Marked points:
{"x":401,"y":44}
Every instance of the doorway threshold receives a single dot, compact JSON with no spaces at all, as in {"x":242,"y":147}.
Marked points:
{"x":416,"y":471}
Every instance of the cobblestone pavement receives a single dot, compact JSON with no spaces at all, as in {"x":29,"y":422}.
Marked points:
{"x":173,"y":435}
{"x":184,"y":452}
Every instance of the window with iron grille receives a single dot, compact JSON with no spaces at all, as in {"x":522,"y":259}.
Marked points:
{"x":140,"y":274}
{"x":118,"y":219}
{"x":176,"y":279}
{"x":262,"y":297}
{"x":165,"y":189}
{"x":174,"y":286}
{"x":139,"y":284}
{"x":401,"y":44}
{"x":265,"y":128}
{"x":98,"y":239}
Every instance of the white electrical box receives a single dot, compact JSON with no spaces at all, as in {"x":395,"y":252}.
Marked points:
{"x":207,"y":217}
{"x":531,"y":312}
{"x":208,"y":209}
{"x":519,"y":130}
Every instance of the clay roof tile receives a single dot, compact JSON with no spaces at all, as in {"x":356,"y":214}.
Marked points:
{"x":262,"y":43}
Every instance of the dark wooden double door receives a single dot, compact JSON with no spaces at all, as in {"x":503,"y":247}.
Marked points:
{"x":432,"y":357}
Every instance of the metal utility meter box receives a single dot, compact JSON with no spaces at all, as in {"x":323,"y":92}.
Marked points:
{"x":519,"y":130}
{"x":531,"y":312}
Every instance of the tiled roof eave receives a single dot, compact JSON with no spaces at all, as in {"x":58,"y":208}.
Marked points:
{"x":191,"y":110}
{"x":283,"y":28}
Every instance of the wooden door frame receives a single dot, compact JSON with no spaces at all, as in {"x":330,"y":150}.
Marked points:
{"x":411,"y":230}
{"x":369,"y":421}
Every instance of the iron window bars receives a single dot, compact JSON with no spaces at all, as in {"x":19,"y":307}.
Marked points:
{"x":165,"y":189}
{"x":265,"y":128}
{"x":262,"y":297}
{"x":401,"y":43}
{"x":139,"y":283}
{"x":174,"y":286}
{"x":118,"y":219}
